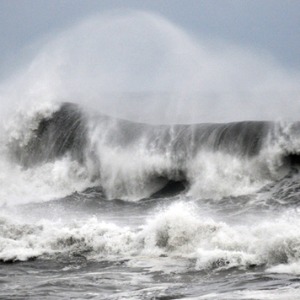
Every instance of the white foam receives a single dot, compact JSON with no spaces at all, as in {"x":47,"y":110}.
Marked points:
{"x":178,"y":233}
{"x":217,"y":175}
{"x":290,"y":268}
{"x":48,"y":181}
{"x":26,"y":118}
{"x":288,"y":293}
{"x":130,"y":173}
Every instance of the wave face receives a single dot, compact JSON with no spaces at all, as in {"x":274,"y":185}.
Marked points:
{"x":133,"y":160}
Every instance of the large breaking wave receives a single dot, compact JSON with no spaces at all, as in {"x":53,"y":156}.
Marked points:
{"x":132,"y":161}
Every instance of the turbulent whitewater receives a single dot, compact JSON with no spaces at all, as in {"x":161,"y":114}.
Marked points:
{"x":132,"y":161}
{"x":135,"y":210}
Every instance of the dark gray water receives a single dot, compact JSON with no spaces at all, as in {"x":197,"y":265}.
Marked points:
{"x":94,"y":280}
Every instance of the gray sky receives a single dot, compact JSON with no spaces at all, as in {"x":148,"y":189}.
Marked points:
{"x":265,"y":25}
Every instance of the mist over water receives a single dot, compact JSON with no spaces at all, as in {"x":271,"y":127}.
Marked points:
{"x":140,"y":66}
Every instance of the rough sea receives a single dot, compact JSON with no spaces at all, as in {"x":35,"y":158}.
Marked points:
{"x":96,"y":207}
{"x":189,"y":192}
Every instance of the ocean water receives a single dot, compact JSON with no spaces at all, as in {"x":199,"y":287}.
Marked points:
{"x":96,"y":207}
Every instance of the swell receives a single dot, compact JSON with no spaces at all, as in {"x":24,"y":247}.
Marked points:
{"x":137,"y":160}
